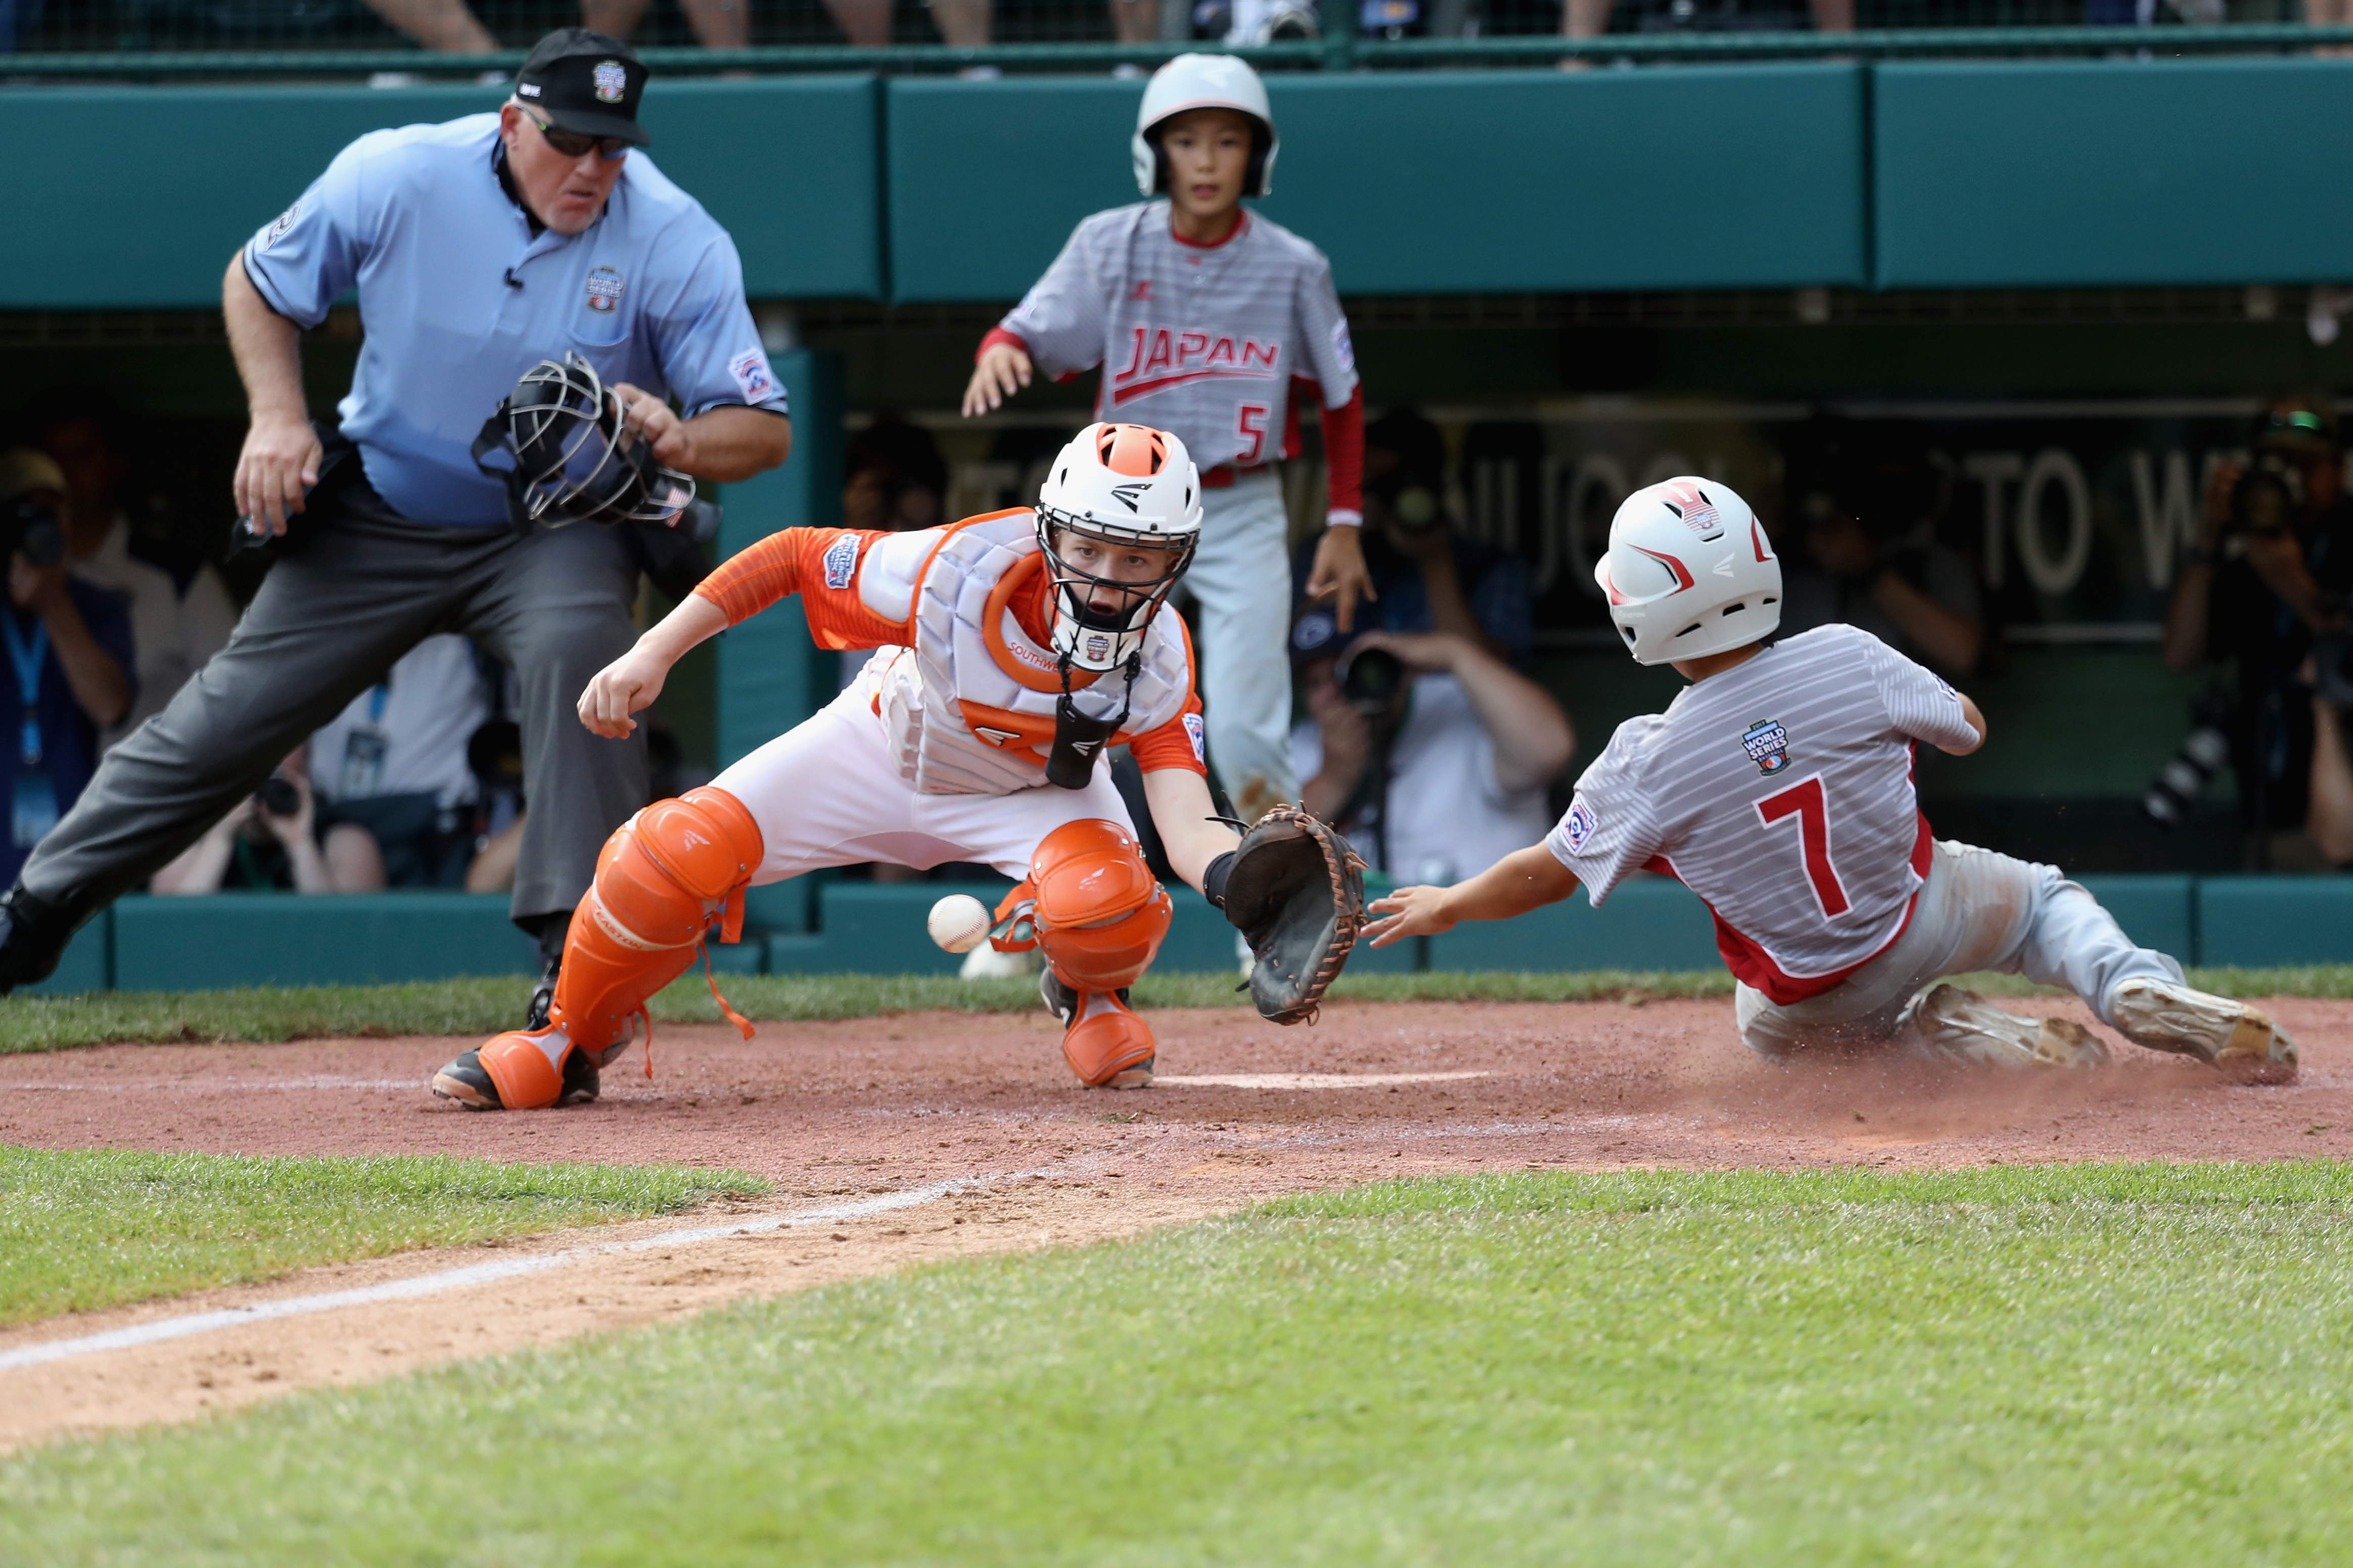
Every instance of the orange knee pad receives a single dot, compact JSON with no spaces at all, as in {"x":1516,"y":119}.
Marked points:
{"x":662,"y":880}
{"x":1100,"y":914}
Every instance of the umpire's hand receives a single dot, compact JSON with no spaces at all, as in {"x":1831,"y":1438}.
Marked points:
{"x":280,"y":461}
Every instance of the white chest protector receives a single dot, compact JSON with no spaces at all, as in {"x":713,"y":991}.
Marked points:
{"x":969,"y":709}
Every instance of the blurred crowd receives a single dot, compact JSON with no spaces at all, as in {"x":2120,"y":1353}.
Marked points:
{"x":459,"y":26}
{"x":417,"y":784}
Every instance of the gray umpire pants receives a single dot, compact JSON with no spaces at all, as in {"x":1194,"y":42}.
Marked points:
{"x":358,"y":589}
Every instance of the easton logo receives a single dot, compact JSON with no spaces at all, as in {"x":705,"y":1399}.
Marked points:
{"x":841,"y":561}
{"x":1129,"y":494}
{"x":1767,"y":745}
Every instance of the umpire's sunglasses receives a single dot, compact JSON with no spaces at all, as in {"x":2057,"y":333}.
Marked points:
{"x":579,"y":143}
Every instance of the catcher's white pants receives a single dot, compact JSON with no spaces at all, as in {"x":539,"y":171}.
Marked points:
{"x":826,"y":793}
{"x":1977,"y":911}
{"x":1240,"y":579}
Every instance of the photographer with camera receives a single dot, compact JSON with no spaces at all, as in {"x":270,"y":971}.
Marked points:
{"x":268,"y":842}
{"x":69,"y":648}
{"x":1421,"y":740}
{"x":1866,"y":498}
{"x":2270,"y":574}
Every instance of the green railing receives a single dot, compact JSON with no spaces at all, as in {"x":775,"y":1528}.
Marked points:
{"x":1337,"y":53}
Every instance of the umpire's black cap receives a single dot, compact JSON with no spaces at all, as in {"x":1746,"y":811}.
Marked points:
{"x":586,"y":82}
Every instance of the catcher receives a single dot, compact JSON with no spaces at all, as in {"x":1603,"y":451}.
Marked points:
{"x":1012,"y":650}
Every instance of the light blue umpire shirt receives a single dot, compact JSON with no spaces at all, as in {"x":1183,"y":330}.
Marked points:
{"x":460,"y":298}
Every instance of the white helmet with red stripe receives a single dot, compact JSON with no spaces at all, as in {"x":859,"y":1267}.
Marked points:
{"x":1203,"y":81}
{"x":1117,"y":485}
{"x":1689,"y":572}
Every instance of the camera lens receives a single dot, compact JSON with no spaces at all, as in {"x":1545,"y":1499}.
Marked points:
{"x":279,"y":797}
{"x":1370,"y":677}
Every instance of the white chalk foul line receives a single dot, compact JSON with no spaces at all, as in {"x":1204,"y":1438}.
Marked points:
{"x":1306,"y":1079}
{"x":180,"y":1328}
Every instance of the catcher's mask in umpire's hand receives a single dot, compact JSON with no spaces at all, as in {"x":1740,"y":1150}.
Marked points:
{"x":574,"y":460}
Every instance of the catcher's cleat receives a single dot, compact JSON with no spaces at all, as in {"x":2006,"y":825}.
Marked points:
{"x":2231,"y":1036}
{"x":1103,"y":1039}
{"x":1961,"y":1026}
{"x":477,"y":1085}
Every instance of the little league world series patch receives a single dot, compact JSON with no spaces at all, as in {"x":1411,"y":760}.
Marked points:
{"x":1768,"y":746}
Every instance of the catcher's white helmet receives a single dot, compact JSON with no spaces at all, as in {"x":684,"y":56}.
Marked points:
{"x":1203,"y":81}
{"x":1120,"y":484}
{"x":1689,"y":572}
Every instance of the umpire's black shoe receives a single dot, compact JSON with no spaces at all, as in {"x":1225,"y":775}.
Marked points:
{"x":33,"y":937}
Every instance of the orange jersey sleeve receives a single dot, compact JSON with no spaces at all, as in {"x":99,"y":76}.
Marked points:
{"x":820,"y":564}
{"x":1175,"y":744}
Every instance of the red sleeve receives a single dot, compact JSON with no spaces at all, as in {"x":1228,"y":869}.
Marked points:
{"x":1175,"y":744}
{"x":999,"y":335}
{"x":1343,"y":460}
{"x":820,"y":564}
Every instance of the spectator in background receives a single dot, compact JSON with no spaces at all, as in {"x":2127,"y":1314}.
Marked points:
{"x":181,"y":612}
{"x":866,"y":23}
{"x":268,"y":842}
{"x":1421,"y":740}
{"x":896,"y":478}
{"x":394,"y":771}
{"x":1590,"y":19}
{"x":717,"y":24}
{"x":69,"y":650}
{"x":1864,"y":499}
{"x":2330,"y":818}
{"x":2272,"y":567}
{"x":444,"y":26}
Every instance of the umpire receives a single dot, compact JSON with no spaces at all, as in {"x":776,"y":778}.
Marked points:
{"x":479,"y":249}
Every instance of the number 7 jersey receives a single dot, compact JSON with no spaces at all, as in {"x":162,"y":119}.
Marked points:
{"x":1780,"y":792}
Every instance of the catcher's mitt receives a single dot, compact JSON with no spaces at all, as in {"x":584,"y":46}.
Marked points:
{"x":1296,"y":890}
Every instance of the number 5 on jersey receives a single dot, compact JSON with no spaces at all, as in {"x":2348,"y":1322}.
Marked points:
{"x":1808,"y":802}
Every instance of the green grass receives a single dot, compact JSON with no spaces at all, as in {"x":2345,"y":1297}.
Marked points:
{"x":83,"y":1228}
{"x":484,"y":1007}
{"x":2134,"y":1365}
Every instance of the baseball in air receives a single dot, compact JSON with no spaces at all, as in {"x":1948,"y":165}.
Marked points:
{"x":959,"y":922}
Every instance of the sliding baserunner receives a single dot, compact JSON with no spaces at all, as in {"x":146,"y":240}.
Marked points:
{"x":1013,"y":650}
{"x":1778,"y":788}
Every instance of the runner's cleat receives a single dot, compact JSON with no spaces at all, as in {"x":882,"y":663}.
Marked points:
{"x":474,"y":1086}
{"x":2231,"y":1036}
{"x":1961,"y":1026}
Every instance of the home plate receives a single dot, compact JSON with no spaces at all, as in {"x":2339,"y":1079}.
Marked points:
{"x":1302,"y":1080}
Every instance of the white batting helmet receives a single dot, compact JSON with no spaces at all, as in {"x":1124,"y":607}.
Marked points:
{"x":1203,"y":81}
{"x":1120,"y":484}
{"x":1689,"y":572}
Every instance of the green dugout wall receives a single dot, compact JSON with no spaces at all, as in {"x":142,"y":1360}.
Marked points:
{"x":1992,"y":173}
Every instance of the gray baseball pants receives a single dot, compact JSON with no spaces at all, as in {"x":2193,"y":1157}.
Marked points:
{"x":360,"y":588}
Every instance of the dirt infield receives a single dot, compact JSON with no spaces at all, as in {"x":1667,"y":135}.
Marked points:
{"x":851,"y":1113}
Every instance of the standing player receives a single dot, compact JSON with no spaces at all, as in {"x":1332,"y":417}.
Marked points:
{"x":1015,"y":649}
{"x":1203,"y":316}
{"x":1778,"y":788}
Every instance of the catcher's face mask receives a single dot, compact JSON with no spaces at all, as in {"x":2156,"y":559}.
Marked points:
{"x":574,"y":461}
{"x":1106,"y":588}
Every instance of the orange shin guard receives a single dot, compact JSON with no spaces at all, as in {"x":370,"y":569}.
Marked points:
{"x":526,"y":1077}
{"x":663,"y":880}
{"x":1106,"y":1044}
{"x":1100,"y":915}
